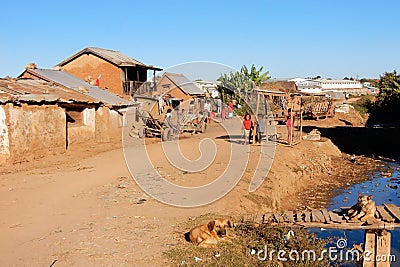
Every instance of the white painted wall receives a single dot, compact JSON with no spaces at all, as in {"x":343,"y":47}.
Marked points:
{"x":339,"y":84}
{"x":4,"y":140}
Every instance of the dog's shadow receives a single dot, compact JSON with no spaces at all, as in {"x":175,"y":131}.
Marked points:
{"x":186,"y":235}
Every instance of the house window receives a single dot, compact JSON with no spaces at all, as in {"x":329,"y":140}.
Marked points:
{"x":166,"y":86}
{"x":75,"y":116}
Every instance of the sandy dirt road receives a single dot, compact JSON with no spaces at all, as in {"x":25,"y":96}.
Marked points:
{"x":84,"y":208}
{"x":85,"y":211}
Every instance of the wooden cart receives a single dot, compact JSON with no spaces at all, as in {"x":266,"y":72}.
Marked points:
{"x":194,"y":124}
{"x":151,"y":127}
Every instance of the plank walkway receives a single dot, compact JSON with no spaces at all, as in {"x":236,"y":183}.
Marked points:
{"x":387,"y":216}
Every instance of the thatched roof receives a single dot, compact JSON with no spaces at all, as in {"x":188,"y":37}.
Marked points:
{"x":280,"y":86}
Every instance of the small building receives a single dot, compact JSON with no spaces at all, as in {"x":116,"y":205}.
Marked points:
{"x":309,"y":87}
{"x":209,"y":88}
{"x":108,"y":69}
{"x":346,"y":86}
{"x":179,"y":89}
{"x":39,"y":118}
{"x":112,"y":104}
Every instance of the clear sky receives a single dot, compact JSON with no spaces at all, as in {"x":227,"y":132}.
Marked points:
{"x":298,"y":38}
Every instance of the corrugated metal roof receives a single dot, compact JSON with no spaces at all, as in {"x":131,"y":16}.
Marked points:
{"x":29,"y":90}
{"x":115,"y":57}
{"x":184,"y":83}
{"x":70,"y":81}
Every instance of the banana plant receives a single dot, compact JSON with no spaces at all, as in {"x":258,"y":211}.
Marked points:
{"x":255,"y":74}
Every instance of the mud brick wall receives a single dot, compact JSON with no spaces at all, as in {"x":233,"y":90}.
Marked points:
{"x":102,"y":124}
{"x":91,"y":65}
{"x":33,"y":131}
{"x":4,"y":138}
{"x":83,"y":132}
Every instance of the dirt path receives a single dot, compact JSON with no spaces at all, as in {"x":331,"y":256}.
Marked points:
{"x":84,"y":212}
{"x":84,"y":209}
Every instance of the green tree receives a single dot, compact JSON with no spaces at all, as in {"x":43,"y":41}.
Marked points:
{"x":255,"y":75}
{"x":237,"y":83}
{"x":386,"y":108}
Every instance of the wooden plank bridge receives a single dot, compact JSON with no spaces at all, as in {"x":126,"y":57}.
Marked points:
{"x":387,"y":216}
{"x":376,"y":239}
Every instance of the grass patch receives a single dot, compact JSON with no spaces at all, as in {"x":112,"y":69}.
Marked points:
{"x":363,"y":104}
{"x":250,"y":238}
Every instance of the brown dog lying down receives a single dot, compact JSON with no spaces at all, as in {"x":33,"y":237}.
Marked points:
{"x":208,"y":235}
{"x":364,"y":208}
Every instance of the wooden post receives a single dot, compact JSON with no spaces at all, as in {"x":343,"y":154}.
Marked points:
{"x":155,"y":84}
{"x":377,"y":243}
{"x":254,"y":129}
{"x":267,"y":115}
{"x":301,"y":120}
{"x":370,"y":244}
{"x":292,"y":121}
{"x":383,"y":249}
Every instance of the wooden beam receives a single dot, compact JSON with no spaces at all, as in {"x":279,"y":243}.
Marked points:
{"x":370,"y":245}
{"x":266,"y":217}
{"x":393,"y":210}
{"x":288,"y":216}
{"x":307,"y":216}
{"x":278,"y":218}
{"x":299,"y":217}
{"x":335,"y":217}
{"x":383,"y":249}
{"x":256,"y":115}
{"x":384,"y":215}
{"x":317,"y":216}
{"x":326,"y":215}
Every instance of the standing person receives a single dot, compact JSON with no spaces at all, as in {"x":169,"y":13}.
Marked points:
{"x":207,"y":109}
{"x":230,"y":111}
{"x":230,"y":104}
{"x":289,"y":125}
{"x":212,"y":116}
{"x":223,"y":113}
{"x":168,"y":121}
{"x":260,"y":128}
{"x":219,"y":105}
{"x":246,"y":127}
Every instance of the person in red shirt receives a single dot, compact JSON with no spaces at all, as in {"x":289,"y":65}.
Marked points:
{"x":246,"y":127}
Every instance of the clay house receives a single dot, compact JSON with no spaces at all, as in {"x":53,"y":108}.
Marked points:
{"x":38,"y":118}
{"x":178,"y":90}
{"x":108,"y":69}
{"x":113,"y":105}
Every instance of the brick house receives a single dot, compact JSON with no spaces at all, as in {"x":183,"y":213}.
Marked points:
{"x":178,"y":85}
{"x":108,"y":69}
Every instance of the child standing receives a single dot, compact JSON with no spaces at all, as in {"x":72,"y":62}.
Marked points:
{"x":260,"y":128}
{"x":246,"y":127}
{"x":230,"y":111}
{"x":223,"y":113}
{"x":289,"y":125}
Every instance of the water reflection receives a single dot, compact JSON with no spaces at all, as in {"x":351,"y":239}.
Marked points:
{"x":385,"y":190}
